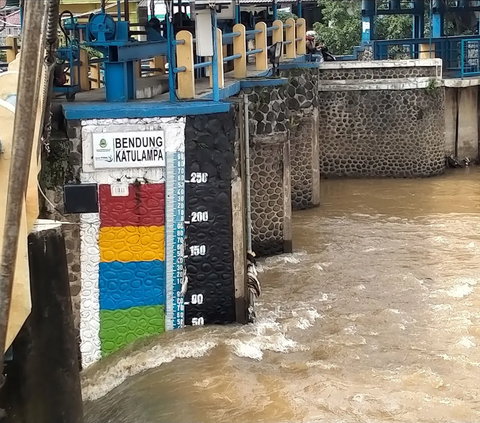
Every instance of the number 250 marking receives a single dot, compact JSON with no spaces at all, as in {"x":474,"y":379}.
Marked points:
{"x":198,"y":177}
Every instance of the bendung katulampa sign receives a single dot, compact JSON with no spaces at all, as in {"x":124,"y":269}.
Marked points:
{"x":129,"y":149}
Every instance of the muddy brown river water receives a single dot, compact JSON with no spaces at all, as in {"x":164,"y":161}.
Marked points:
{"x":375,"y":317}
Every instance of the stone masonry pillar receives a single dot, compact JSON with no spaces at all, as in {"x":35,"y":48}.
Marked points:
{"x":269,"y":170}
{"x":302,"y":103}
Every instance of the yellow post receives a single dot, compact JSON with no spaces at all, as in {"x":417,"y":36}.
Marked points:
{"x":158,"y":62}
{"x":277,"y":34}
{"x":302,"y":34}
{"x":186,"y":80}
{"x":261,"y":59}
{"x":426,"y":52}
{"x":84,"y":67}
{"x":138,"y":68}
{"x":95,"y":75}
{"x":21,"y":304}
{"x":240,"y":47}
{"x":290,"y":38}
{"x":12,"y":52}
{"x":221,"y":79}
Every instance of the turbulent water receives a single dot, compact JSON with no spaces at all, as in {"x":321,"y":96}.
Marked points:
{"x":374,"y":318}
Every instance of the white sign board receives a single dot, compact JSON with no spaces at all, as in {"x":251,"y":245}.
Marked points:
{"x":129,"y":149}
{"x":119,"y":189}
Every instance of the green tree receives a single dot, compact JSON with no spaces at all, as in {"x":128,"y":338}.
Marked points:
{"x":340,"y":28}
{"x":283,"y":16}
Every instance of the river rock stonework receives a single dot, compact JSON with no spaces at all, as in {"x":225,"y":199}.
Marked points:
{"x":349,"y":74}
{"x":302,"y":103}
{"x":270,"y":187}
{"x":210,"y":148}
{"x":384,"y":133}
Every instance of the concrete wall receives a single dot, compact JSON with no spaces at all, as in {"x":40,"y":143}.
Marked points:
{"x":461,"y":122}
{"x":467,"y":141}
{"x":382,"y":119}
{"x":117,"y":241}
{"x":451,"y":121}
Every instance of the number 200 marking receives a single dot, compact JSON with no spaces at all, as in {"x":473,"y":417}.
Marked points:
{"x":199,"y":177}
{"x":200,"y":216}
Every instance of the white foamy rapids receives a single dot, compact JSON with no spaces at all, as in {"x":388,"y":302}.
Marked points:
{"x":460,"y":291}
{"x":114,"y":375}
{"x":273,"y":262}
{"x":466,"y":342}
{"x":254,"y":348}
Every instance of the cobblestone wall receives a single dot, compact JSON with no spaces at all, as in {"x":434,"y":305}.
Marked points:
{"x":268,"y":126}
{"x":302,"y":103}
{"x":377,"y":73}
{"x":390,"y":133}
{"x":61,"y":165}
{"x":210,"y":148}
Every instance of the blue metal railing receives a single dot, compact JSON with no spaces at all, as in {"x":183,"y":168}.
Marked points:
{"x":459,"y":54}
{"x":470,"y":57}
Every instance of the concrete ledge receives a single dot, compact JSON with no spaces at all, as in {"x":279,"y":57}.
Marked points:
{"x":377,"y":84}
{"x":382,"y":64}
{"x":299,"y":65}
{"x":461,"y":83}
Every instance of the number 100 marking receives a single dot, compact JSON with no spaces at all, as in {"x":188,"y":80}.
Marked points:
{"x":197,"y":299}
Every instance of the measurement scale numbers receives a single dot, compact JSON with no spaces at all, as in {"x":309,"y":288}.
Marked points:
{"x":196,"y":253}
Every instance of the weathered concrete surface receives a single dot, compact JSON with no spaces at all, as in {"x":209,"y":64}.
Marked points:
{"x":451,"y":109}
{"x":467,"y":143}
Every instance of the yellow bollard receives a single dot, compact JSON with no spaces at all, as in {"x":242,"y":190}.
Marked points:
{"x":240,"y":47}
{"x":290,"y":38}
{"x":277,"y":34}
{"x":261,"y":59}
{"x":302,"y":34}
{"x":186,"y":80}
{"x":12,"y":52}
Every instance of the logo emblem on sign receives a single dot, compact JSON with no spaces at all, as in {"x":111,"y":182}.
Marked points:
{"x":103,"y":143}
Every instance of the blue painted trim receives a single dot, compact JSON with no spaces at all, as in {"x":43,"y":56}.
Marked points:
{"x":136,"y":109}
{"x":234,"y":88}
{"x":224,"y":93}
{"x":250,"y":83}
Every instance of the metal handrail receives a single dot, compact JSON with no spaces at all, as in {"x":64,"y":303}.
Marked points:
{"x":231,"y":35}
{"x":202,"y":65}
{"x":180,"y":69}
{"x":232,"y":57}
